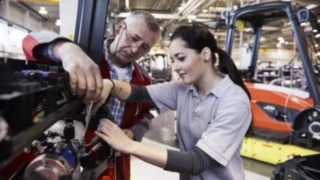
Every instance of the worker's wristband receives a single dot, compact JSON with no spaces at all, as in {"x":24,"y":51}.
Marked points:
{"x":49,"y":52}
{"x":113,"y":85}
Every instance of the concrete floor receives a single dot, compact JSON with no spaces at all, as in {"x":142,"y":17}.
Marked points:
{"x":162,"y":134}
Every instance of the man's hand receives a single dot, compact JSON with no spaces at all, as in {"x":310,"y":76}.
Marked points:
{"x":85,"y":76}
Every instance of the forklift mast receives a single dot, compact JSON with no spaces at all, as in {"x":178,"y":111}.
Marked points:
{"x":90,"y":27}
{"x":257,"y":16}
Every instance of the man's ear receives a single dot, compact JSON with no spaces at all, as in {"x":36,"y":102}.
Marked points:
{"x":119,"y":26}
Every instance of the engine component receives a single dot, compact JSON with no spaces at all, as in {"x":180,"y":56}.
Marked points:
{"x":306,"y":167}
{"x":306,"y":127}
{"x":39,"y":115}
{"x":58,"y":155}
{"x":96,"y":150}
{"x":51,"y":166}
{"x":70,"y":129}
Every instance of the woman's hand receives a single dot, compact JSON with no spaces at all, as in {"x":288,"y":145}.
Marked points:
{"x":115,"y":137}
{"x":129,"y":133}
{"x":108,"y":85}
{"x":119,"y":140}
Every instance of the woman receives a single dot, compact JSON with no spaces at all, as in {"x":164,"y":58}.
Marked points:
{"x":212,"y":104}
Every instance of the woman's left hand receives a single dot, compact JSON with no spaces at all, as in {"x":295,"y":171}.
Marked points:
{"x":114,"y":136}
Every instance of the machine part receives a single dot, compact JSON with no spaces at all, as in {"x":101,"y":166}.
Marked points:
{"x":298,"y":167}
{"x":3,"y":128}
{"x":314,"y":128}
{"x":57,"y":128}
{"x":97,"y":150}
{"x":49,"y":166}
{"x":79,"y":128}
{"x":257,"y":148}
{"x":57,"y":164}
{"x":61,"y":126}
{"x":306,"y":126}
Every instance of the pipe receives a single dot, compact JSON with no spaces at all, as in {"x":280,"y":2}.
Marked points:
{"x":190,"y":10}
{"x":189,"y":7}
{"x":185,"y":6}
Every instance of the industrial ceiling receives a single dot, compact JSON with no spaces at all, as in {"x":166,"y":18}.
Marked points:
{"x":172,"y":13}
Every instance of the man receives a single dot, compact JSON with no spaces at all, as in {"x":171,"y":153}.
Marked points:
{"x":134,"y":37}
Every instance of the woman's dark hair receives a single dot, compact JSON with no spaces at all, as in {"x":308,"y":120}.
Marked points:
{"x":198,"y":37}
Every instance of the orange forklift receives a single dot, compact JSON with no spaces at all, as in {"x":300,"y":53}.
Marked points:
{"x":286,"y":101}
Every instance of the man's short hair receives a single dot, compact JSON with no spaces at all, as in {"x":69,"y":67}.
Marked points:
{"x":150,"y":20}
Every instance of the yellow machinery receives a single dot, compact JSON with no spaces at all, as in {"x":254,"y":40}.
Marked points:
{"x":272,"y":152}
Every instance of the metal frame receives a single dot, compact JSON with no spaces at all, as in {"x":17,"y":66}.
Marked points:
{"x":90,"y":27}
{"x":89,"y":35}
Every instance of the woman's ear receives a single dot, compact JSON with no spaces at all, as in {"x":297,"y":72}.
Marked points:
{"x":206,"y":53}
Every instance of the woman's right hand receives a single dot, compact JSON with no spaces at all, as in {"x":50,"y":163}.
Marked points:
{"x":108,"y":85}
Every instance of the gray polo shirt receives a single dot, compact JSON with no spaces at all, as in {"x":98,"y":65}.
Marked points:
{"x":216,"y":123}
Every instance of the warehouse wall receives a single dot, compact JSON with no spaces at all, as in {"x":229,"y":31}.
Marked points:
{"x":15,"y":23}
{"x":278,"y":57}
{"x":18,"y":15}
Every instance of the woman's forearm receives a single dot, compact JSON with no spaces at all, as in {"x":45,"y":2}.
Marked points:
{"x":120,"y":89}
{"x":118,"y":140}
{"x":152,"y":155}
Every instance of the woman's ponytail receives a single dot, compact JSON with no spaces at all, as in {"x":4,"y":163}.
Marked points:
{"x":227,"y":66}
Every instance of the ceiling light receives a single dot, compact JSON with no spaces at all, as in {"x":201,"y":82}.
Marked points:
{"x":191,"y":17}
{"x":311,"y":6}
{"x":279,"y":45}
{"x":281,"y":40}
{"x":43,"y":10}
{"x":205,"y":10}
{"x":58,"y":22}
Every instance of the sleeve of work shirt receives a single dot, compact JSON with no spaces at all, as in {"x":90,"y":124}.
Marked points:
{"x":142,"y":127}
{"x":188,"y":162}
{"x":37,"y":45}
{"x":164,"y":95}
{"x":139,"y":93}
